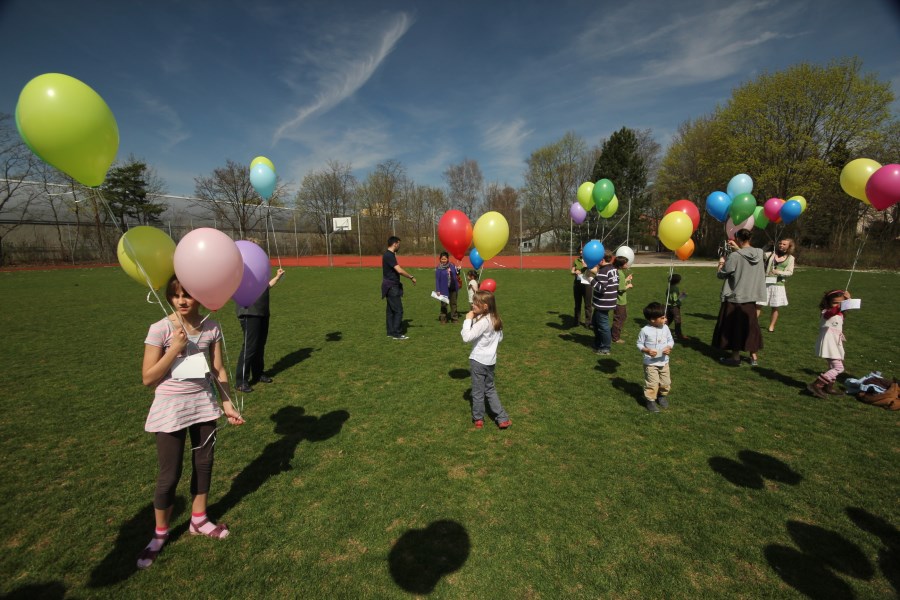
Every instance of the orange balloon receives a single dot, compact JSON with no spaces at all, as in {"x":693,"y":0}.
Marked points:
{"x":686,"y":250}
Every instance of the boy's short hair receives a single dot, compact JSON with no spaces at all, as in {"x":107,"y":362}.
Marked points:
{"x":472,"y":274}
{"x":392,"y":240}
{"x":654,"y":310}
{"x":675,"y":279}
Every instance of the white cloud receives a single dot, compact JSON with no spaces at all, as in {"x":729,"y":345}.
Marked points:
{"x":504,"y":142}
{"x":339,"y":75}
{"x":172,"y":128}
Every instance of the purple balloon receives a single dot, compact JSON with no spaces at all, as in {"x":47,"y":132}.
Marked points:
{"x":257,"y":270}
{"x":577,"y":212}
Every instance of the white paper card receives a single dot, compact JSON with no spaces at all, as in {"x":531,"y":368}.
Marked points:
{"x":851,"y":304}
{"x":771,"y":280}
{"x":190,"y":367}
{"x":440,"y":297}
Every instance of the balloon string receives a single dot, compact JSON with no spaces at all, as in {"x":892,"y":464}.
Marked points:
{"x":858,"y":253}
{"x":669,"y":281}
{"x":613,"y":228}
{"x":240,"y":405}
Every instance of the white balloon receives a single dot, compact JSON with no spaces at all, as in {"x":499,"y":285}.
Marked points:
{"x":626,"y":253}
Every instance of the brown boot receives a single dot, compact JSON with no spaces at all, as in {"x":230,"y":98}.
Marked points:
{"x":817,"y":388}
{"x":829,"y":389}
{"x":443,"y":319}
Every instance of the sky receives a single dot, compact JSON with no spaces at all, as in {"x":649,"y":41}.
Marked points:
{"x":195,"y":83}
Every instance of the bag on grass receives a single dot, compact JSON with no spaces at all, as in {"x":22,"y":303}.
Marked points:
{"x":889,"y":399}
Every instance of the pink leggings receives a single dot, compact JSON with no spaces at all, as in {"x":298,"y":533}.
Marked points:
{"x":835,"y":368}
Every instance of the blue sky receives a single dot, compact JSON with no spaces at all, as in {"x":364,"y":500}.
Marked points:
{"x":194,"y":83}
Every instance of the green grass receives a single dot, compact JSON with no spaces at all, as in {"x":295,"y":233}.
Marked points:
{"x":358,"y":473}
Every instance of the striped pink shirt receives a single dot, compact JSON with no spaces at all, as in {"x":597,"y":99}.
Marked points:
{"x":180,"y":403}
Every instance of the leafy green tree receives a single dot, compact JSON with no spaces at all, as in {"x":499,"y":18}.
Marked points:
{"x":129,"y":191}
{"x":621,"y":162}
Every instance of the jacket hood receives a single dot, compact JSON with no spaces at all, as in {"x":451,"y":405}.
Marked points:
{"x":753,"y":255}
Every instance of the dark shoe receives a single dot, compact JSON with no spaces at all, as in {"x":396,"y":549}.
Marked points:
{"x":265,"y":379}
{"x":505,"y":424}
{"x":663,"y":402}
{"x":651,"y":405}
{"x":243,"y":387}
{"x":816,"y":389}
{"x":730,"y":362}
{"x":147,"y":556}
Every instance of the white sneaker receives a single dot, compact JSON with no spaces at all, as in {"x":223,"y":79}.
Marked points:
{"x":401,"y":337}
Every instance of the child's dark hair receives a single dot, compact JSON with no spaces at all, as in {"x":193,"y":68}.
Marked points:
{"x":472,"y":274}
{"x":487,"y":298}
{"x":829,"y":298}
{"x":172,"y":288}
{"x":654,"y":310}
{"x":620,"y":262}
{"x":444,"y":254}
{"x":608,"y":256}
{"x":675,"y":279}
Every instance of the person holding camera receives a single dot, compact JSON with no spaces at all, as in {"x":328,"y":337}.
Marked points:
{"x":779,"y":266}
{"x":737,"y":327}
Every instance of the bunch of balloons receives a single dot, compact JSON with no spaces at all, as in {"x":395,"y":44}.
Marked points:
{"x":866,"y":180}
{"x":490,"y":234}
{"x":677,"y":226}
{"x":210,"y":266}
{"x":262,"y":176}
{"x":600,"y":195}
{"x":68,"y":126}
{"x":738,"y":209}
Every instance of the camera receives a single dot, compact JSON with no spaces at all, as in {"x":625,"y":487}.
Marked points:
{"x":724,"y":250}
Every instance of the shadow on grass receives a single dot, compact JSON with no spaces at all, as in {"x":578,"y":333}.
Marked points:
{"x":703,"y":316}
{"x":810,"y":570}
{"x":635,"y":390}
{"x":51,"y":591}
{"x":699,"y":346}
{"x":121,"y":562}
{"x":289,"y":360}
{"x":294,"y":426}
{"x":578,"y":338}
{"x":458,"y":373}
{"x":780,"y":378}
{"x":421,"y":557}
{"x":334,"y":336}
{"x":753,"y":468}
{"x":607,"y":366}
{"x":566,"y":322}
{"x":889,"y":555}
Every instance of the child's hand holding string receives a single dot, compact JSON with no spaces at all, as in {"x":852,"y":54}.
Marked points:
{"x":234,"y":417}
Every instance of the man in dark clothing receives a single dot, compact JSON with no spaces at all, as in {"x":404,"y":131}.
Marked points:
{"x":255,"y":325}
{"x":392,"y":289}
{"x":605,"y":284}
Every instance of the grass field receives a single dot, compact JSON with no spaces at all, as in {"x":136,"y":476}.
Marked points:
{"x":358,"y":473}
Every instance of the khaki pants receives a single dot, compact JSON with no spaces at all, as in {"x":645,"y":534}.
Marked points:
{"x":657,"y":381}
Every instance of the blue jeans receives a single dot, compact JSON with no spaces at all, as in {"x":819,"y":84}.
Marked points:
{"x":602,"y":334}
{"x":394,"y":311}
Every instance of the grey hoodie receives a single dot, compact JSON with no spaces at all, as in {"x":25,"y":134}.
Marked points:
{"x":745,"y":276}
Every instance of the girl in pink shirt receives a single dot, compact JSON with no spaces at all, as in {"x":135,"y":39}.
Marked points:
{"x":175,"y":364}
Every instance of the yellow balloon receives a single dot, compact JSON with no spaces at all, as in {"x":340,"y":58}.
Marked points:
{"x":69,"y":126}
{"x":490,"y":234}
{"x":147,"y":256}
{"x":611,"y":208}
{"x":263,"y":160}
{"x":802,"y":202}
{"x":675,"y":229}
{"x":856,"y":174}
{"x":585,"y":195}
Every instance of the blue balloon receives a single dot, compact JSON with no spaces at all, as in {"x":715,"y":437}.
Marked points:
{"x":790,"y":210}
{"x":475,"y":258}
{"x":740,"y":184}
{"x":717,"y":205}
{"x":593,"y":253}
{"x":263,"y":180}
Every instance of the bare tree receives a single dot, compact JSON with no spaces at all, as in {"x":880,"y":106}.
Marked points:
{"x":465,"y":184}
{"x":17,"y":192}
{"x":379,"y":199}
{"x":229,"y":195}
{"x":327,"y":193}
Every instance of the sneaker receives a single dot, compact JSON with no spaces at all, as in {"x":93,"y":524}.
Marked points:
{"x":243,"y":387}
{"x":479,"y":424}
{"x":620,"y":341}
{"x":663,"y":402}
{"x":401,"y":337}
{"x":754,"y":362}
{"x":601,"y":352}
{"x":265,"y":379}
{"x":505,"y":424}
{"x":651,"y":406}
{"x":730,"y":362}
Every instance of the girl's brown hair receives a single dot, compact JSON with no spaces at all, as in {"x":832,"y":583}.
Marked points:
{"x":487,"y":298}
{"x":829,"y":298}
{"x":172,"y":288}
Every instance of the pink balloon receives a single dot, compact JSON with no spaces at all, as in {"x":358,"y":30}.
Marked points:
{"x":731,"y":228}
{"x":209,"y":266}
{"x":257,"y":270}
{"x":577,"y":212}
{"x":772,"y":208}
{"x":883,"y":187}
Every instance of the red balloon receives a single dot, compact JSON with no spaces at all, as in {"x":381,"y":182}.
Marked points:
{"x":688,"y":208}
{"x":883,"y":187}
{"x":455,"y":233}
{"x":489,"y":285}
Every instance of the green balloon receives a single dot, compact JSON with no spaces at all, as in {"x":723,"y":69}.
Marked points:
{"x":759,"y":218}
{"x":742,"y":207}
{"x":603,"y":193}
{"x":69,"y":126}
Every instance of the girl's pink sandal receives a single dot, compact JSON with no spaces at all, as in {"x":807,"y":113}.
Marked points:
{"x":218,"y":533}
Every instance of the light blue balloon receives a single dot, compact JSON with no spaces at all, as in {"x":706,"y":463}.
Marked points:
{"x":740,"y":184}
{"x":475,"y":258}
{"x":717,"y":205}
{"x":263,"y":180}
{"x":790,"y":210}
{"x":593,"y":253}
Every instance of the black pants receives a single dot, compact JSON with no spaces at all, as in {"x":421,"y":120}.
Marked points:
{"x":584,"y":295}
{"x":251,"y":360}
{"x":394,"y":311}
{"x":170,"y":452}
